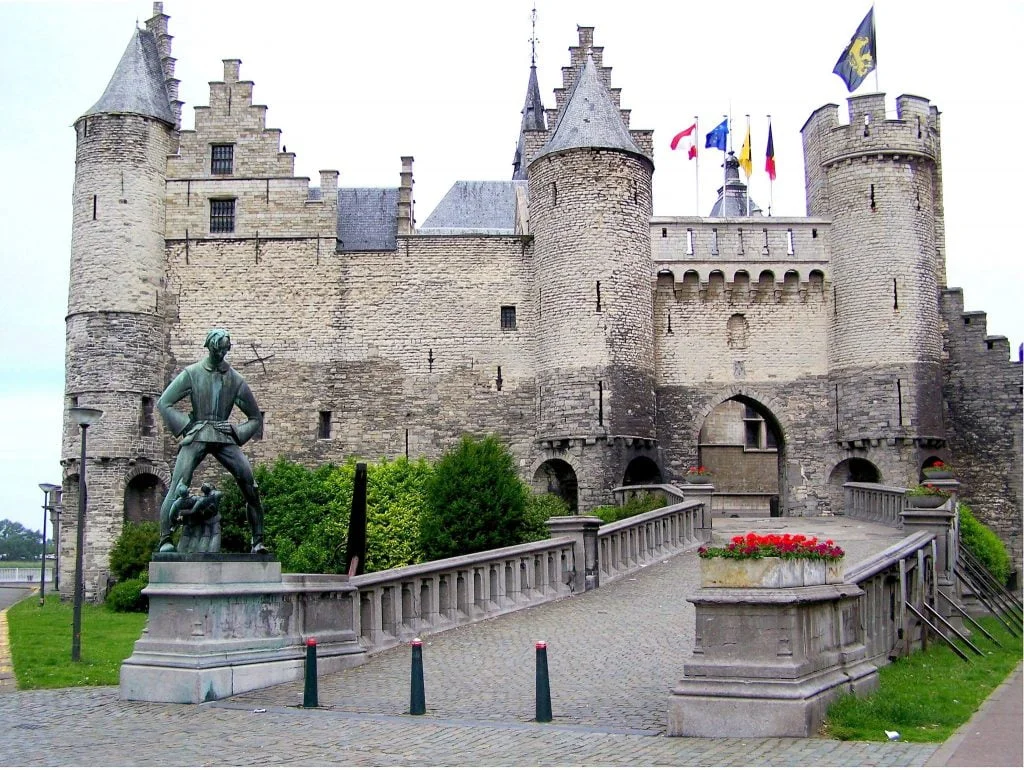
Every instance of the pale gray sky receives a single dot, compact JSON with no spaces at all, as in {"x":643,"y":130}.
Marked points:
{"x":356,"y":85}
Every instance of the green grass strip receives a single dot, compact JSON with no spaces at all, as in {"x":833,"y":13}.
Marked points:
{"x":927,"y":696}
{"x":40,"y":640}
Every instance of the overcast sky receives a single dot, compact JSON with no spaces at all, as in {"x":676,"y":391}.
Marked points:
{"x":356,"y":85}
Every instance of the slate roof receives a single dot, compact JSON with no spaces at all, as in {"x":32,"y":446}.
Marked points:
{"x":735,"y":201}
{"x":137,"y":85}
{"x":533,"y":120}
{"x":367,"y":219}
{"x":485,"y":208}
{"x":590,"y":118}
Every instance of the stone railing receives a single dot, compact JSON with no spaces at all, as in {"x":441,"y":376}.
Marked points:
{"x":670,"y":492}
{"x":874,"y":502}
{"x":400,"y":604}
{"x":626,"y":546}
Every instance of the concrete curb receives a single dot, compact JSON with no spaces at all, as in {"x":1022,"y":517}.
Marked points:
{"x":7,"y":681}
{"x":946,"y":751}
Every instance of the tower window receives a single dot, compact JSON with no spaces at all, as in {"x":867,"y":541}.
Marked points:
{"x":147,"y":422}
{"x":222,"y":159}
{"x":689,"y":240}
{"x":323,"y":427}
{"x":508,"y":318}
{"x":222,"y":216}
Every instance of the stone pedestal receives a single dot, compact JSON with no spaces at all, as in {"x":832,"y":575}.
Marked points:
{"x":222,"y":624}
{"x":768,"y":661}
{"x":585,"y":572}
{"x":702,"y":493}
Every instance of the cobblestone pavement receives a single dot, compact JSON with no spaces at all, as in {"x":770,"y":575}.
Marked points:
{"x":613,"y":655}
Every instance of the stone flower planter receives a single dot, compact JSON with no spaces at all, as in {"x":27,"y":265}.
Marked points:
{"x":937,"y":473}
{"x":926,"y":501}
{"x":698,"y":479}
{"x":769,"y":572}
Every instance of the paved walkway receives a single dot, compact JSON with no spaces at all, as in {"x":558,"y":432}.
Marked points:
{"x":613,"y":655}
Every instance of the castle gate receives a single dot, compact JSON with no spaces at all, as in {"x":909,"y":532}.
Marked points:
{"x":557,"y":477}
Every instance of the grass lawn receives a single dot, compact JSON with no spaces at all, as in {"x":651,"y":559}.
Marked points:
{"x":928,"y":695}
{"x":41,"y":643}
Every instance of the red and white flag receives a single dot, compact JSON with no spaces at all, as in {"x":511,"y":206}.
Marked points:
{"x":693,"y":145}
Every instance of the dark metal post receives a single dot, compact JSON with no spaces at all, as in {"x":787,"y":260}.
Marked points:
{"x":310,"y":696}
{"x":417,"y":695}
{"x":76,"y":617}
{"x":543,"y":684}
{"x":48,"y":489}
{"x":355,"y":549}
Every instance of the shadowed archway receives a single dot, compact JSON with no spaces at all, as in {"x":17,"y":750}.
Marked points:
{"x":557,"y":477}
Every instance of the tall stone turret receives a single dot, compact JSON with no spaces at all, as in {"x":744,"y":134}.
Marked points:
{"x":878,"y":180}
{"x":116,"y":340}
{"x":590,"y":210}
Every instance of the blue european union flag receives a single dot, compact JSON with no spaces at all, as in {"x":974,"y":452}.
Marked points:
{"x":716,"y":137}
{"x":860,"y":56}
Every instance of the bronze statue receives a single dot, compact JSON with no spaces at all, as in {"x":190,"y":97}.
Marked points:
{"x":199,"y":518}
{"x":214,"y":389}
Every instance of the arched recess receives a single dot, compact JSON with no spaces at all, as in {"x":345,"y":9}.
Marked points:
{"x":742,"y":443}
{"x":641,"y":470}
{"x":142,"y":498}
{"x":855,"y":469}
{"x":557,"y":477}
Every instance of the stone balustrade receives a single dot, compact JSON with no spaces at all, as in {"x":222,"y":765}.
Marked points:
{"x":627,"y":545}
{"x":670,"y":492}
{"x":874,"y":502}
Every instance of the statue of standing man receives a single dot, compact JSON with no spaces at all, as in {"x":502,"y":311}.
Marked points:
{"x":214,"y":389}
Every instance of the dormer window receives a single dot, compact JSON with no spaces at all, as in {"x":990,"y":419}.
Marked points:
{"x":223,"y":159}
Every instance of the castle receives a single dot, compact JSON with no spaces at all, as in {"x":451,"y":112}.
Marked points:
{"x":605,"y":346}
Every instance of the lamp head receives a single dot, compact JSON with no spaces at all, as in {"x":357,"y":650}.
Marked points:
{"x":84,"y":415}
{"x":49,"y":489}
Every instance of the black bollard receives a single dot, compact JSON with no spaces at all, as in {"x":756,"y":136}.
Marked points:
{"x":417,"y":696}
{"x":310,"y":699}
{"x":543,"y":684}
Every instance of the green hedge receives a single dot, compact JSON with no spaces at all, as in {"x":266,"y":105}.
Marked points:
{"x":984,"y":544}
{"x":633,"y":507}
{"x":127,"y":595}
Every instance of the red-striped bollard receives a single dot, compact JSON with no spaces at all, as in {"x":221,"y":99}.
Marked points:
{"x":543,"y":684}
{"x":417,"y":696}
{"x":310,"y":699}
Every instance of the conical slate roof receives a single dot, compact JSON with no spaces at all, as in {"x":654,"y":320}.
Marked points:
{"x":590,"y":118}
{"x":733,"y":198}
{"x":533,"y":120}
{"x":137,"y":85}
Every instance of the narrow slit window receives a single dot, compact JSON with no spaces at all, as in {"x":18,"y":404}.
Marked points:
{"x":554,"y":194}
{"x":147,"y":422}
{"x":323,"y":428}
{"x":764,"y":247}
{"x":899,"y":401}
{"x":714,"y":240}
{"x":789,"y":242}
{"x":95,"y":202}
{"x":895,"y":296}
{"x":872,"y":197}
{"x":689,"y":240}
{"x":598,"y":296}
{"x":600,"y":402}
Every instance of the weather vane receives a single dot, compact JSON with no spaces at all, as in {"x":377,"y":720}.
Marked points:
{"x":533,"y":36}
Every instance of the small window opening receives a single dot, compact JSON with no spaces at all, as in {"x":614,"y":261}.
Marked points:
{"x":598,"y":296}
{"x":764,"y":247}
{"x":689,"y":240}
{"x":714,"y":240}
{"x":835,"y":302}
{"x":669,"y":331}
{"x":554,"y":194}
{"x":222,"y":216}
{"x":989,"y":344}
{"x":740,"y":236}
{"x":918,"y":126}
{"x":664,"y":232}
{"x":94,"y":203}
{"x":867,"y":125}
{"x":147,"y":424}
{"x":967,"y":322}
{"x":790,"y":250}
{"x":899,"y":401}
{"x":837,"y":407}
{"x":600,"y":402}
{"x":430,"y":359}
{"x":872,"y":197}
{"x":498,"y":380}
{"x":508,"y":318}
{"x":814,"y":232}
{"x":323,"y":428}
{"x":222,"y":159}
{"x":895,"y":296}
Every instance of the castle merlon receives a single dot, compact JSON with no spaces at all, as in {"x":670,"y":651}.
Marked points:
{"x":138,"y":84}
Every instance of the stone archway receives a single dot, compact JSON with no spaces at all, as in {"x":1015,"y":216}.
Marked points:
{"x":855,"y":469}
{"x":144,"y":490}
{"x":557,"y":477}
{"x":641,"y":470}
{"x":742,"y":444}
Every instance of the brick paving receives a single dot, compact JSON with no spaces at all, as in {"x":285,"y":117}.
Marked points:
{"x":613,"y":655}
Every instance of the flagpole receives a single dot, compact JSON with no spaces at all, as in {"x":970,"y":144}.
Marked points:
{"x":696,"y":167}
{"x":771,"y":182}
{"x":750,"y":149}
{"x":725,"y":171}
{"x":874,"y":34}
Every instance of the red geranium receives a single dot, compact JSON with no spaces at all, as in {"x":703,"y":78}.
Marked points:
{"x":786,"y":546}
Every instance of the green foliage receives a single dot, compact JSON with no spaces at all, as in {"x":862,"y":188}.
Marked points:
{"x":984,"y":545}
{"x":19,"y":542}
{"x":395,"y":498}
{"x":40,"y":640}
{"x":474,"y":501}
{"x":127,"y":596}
{"x":927,"y":696}
{"x":133,"y":549}
{"x":633,"y":507}
{"x":540,"y":508}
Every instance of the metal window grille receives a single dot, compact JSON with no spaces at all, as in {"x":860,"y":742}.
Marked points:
{"x":323,"y":428}
{"x":223,"y":159}
{"x":508,"y":317}
{"x":222,"y":216}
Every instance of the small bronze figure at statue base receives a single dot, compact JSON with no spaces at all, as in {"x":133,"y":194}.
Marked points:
{"x":199,"y":518}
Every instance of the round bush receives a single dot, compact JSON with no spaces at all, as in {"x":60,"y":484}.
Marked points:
{"x":133,"y":549}
{"x":127,"y":595}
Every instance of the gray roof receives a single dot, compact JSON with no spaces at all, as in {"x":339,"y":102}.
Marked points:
{"x":367,"y":219}
{"x":734,"y":203}
{"x":533,"y":120}
{"x":590,"y":118}
{"x":487,"y":208}
{"x":138,"y":84}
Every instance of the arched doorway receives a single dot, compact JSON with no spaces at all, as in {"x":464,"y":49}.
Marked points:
{"x":855,"y":469}
{"x":142,"y":498}
{"x":742,"y":444}
{"x":641,"y":470}
{"x":557,"y":477}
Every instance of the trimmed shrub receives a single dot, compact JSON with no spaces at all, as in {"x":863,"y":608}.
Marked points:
{"x":127,"y":595}
{"x":475,"y":501}
{"x":633,"y":507}
{"x":984,"y":545}
{"x":134,"y":549}
{"x":540,"y":508}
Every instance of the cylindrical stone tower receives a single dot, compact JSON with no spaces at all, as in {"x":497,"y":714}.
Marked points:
{"x":878,"y":181}
{"x":116,"y":338}
{"x":590,"y":210}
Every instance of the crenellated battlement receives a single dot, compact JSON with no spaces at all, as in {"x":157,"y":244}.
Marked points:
{"x":794,"y":288}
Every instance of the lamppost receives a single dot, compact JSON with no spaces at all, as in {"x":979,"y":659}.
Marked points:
{"x":84,"y":417}
{"x":48,"y":489}
{"x":56,"y":509}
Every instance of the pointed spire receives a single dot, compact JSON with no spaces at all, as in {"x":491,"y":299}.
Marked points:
{"x":590,"y":118}
{"x":138,"y":85}
{"x":533,"y":120}
{"x":732,"y":196}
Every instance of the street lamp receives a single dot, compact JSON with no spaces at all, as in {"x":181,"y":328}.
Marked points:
{"x":84,"y":417}
{"x":48,"y":489}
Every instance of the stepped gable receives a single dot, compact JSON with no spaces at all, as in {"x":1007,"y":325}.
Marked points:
{"x":533,"y":120}
{"x":590,"y":118}
{"x":485,"y":208}
{"x":367,"y":219}
{"x":137,"y":85}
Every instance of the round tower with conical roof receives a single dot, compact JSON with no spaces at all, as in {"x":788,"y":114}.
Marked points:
{"x":116,"y":340}
{"x":590,"y":210}
{"x":878,"y":180}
